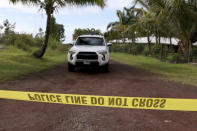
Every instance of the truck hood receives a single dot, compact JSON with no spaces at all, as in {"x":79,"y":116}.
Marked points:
{"x":88,"y":48}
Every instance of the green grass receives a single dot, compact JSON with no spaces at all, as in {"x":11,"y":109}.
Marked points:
{"x":184,"y":73}
{"x":15,"y":62}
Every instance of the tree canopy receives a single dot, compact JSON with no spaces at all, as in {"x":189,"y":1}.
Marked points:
{"x":50,"y":6}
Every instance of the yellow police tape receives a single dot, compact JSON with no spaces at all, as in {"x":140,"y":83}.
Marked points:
{"x":104,"y":101}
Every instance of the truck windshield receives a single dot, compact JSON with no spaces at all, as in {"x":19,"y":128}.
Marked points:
{"x":93,"y":41}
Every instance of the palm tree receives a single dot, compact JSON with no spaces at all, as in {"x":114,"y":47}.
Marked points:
{"x":179,"y":13}
{"x":50,"y":6}
{"x":145,"y":25}
{"x":132,"y":21}
{"x":120,"y":25}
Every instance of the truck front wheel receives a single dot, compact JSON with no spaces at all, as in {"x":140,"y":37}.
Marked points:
{"x":105,"y":68}
{"x":71,"y":67}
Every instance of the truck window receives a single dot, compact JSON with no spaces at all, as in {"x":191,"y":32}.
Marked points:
{"x":93,"y":41}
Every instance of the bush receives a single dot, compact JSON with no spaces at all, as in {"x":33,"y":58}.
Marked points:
{"x":21,"y":40}
{"x":38,"y":41}
{"x":63,"y":47}
{"x":176,"y":58}
{"x":140,"y":47}
{"x":53,"y":43}
{"x":20,"y":43}
{"x":146,"y":51}
{"x":8,"y":39}
{"x":194,"y":54}
{"x":133,"y":50}
{"x":156,"y":50}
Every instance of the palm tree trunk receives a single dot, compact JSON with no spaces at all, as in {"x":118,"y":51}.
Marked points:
{"x":149,"y":44}
{"x":133,"y":38}
{"x":41,"y":52}
{"x":170,"y":40}
{"x":156,"y":39}
{"x":162,"y":46}
{"x":189,"y":51}
{"x":47,"y":33}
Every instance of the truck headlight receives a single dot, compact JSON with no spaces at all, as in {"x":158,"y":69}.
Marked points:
{"x":103,"y":53}
{"x":71,"y":54}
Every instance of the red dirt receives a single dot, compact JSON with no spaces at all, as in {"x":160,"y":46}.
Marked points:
{"x":122,"y":80}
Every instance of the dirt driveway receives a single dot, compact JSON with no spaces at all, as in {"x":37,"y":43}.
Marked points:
{"x":122,"y":80}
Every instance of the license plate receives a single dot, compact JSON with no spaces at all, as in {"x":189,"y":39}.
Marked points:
{"x":86,"y":62}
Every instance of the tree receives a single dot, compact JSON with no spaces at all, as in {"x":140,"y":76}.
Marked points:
{"x":87,"y":31}
{"x":8,"y":27}
{"x":120,"y":25}
{"x":57,"y":30}
{"x":112,"y":35}
{"x":50,"y":6}
{"x":179,"y":13}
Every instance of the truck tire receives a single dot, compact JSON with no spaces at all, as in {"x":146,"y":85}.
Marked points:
{"x":105,"y":68}
{"x":71,"y":67}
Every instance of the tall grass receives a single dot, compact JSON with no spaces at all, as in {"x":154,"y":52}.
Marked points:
{"x":15,"y":62}
{"x":184,"y":73}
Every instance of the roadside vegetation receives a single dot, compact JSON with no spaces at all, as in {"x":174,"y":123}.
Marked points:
{"x":165,"y":53}
{"x":87,"y":31}
{"x":15,"y":62}
{"x":50,"y":7}
{"x":16,"y":50}
{"x":184,"y":73}
{"x":160,"y":19}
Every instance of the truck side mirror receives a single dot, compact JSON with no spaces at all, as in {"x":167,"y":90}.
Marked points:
{"x":109,"y":44}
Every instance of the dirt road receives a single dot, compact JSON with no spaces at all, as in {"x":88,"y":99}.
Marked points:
{"x":122,"y":80}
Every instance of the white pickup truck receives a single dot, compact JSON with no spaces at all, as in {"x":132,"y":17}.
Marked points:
{"x":89,"y":50}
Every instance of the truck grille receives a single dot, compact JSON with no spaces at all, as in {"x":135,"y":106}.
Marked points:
{"x":87,"y":55}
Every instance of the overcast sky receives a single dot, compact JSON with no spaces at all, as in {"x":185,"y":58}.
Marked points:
{"x":30,"y":19}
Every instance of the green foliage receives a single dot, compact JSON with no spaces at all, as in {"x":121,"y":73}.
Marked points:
{"x":20,"y":44}
{"x":134,"y":49}
{"x":159,"y":18}
{"x":53,"y":43}
{"x":176,"y":58}
{"x":49,"y":6}
{"x":156,"y":50}
{"x":112,"y":35}
{"x":146,"y":51}
{"x":87,"y":31}
{"x":194,"y":54}
{"x":140,"y":48}
{"x":63,"y":47}
{"x":23,"y":41}
{"x":166,"y":54}
{"x":57,"y":30}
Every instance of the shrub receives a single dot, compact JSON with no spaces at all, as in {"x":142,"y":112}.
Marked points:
{"x":25,"y":40}
{"x":133,"y":49}
{"x":194,"y":53}
{"x":53,"y":43}
{"x":140,"y":47}
{"x":63,"y":47}
{"x":176,"y":58}
{"x":146,"y":51}
{"x":19,"y":43}
{"x":156,"y":50}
